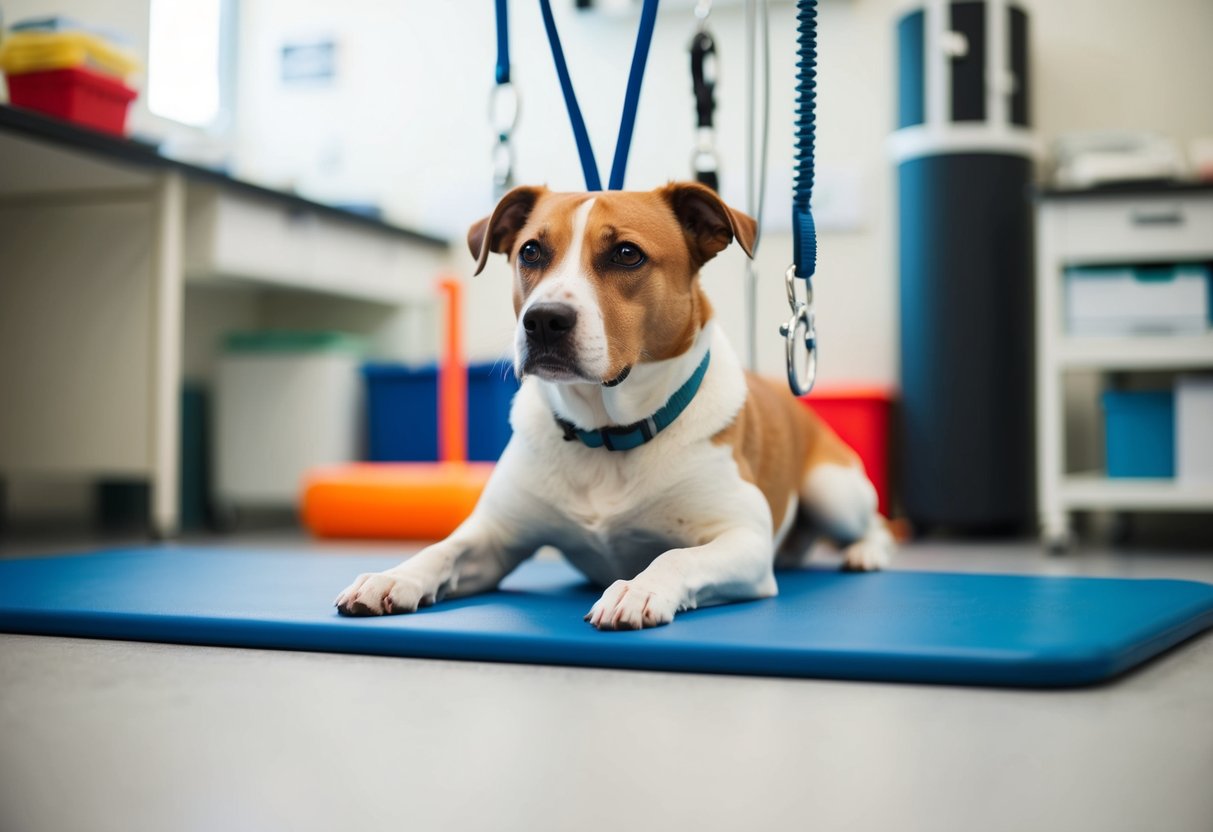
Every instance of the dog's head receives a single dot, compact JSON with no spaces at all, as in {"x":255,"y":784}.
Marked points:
{"x":604,"y":281}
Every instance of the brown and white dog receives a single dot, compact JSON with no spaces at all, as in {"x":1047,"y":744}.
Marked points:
{"x":613,"y":325}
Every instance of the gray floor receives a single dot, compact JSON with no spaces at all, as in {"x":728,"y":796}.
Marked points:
{"x":104,"y":735}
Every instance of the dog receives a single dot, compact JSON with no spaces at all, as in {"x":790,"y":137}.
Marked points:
{"x":642,"y":450}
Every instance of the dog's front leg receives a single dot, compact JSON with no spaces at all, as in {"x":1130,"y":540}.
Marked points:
{"x":737,"y":565}
{"x":473,"y":559}
{"x":485,"y":548}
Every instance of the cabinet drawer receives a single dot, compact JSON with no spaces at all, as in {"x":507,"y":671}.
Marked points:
{"x":1153,"y":227}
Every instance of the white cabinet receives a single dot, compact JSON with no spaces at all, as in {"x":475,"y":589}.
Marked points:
{"x":1164,"y":225}
{"x":98,"y":237}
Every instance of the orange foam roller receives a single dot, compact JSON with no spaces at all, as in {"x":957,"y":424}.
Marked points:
{"x":408,"y":500}
{"x":392,"y":500}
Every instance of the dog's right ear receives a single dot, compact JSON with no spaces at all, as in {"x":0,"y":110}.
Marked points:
{"x":496,"y":233}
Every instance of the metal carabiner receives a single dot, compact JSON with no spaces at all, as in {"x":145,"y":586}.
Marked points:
{"x":503,"y":167}
{"x":504,"y":107}
{"x":803,"y":317}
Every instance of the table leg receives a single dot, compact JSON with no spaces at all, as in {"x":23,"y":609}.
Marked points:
{"x":167,"y":288}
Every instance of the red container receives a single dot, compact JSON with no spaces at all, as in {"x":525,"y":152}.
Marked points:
{"x":863,"y":418}
{"x":79,"y":95}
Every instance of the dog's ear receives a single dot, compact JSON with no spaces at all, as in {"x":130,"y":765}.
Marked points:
{"x":496,"y":233}
{"x":708,"y":223}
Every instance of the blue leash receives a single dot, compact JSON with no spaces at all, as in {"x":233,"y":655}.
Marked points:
{"x":640,"y":56}
{"x":804,"y":232}
{"x":503,"y":42}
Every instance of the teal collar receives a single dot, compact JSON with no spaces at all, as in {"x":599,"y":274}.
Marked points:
{"x":627,"y":437}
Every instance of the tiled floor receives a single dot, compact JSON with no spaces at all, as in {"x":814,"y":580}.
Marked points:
{"x":112,"y":735}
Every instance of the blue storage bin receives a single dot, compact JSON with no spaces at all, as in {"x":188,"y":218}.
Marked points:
{"x":402,"y":411}
{"x":1139,"y":428}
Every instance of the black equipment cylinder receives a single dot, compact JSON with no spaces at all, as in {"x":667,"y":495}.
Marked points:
{"x":965,"y":264}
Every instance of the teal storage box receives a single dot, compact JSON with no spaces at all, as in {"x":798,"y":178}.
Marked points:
{"x":402,"y":411}
{"x":1139,"y":429}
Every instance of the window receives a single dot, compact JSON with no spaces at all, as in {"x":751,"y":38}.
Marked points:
{"x":185,"y":60}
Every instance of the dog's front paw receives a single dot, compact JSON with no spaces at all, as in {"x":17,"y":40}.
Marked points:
{"x":382,"y":593}
{"x":629,"y":605}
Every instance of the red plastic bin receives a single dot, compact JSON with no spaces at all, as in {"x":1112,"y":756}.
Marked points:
{"x":78,"y":94}
{"x":862,"y":417}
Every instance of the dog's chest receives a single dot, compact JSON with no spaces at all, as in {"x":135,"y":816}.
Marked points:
{"x":619,"y":511}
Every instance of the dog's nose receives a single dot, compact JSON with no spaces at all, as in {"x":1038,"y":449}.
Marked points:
{"x":549,"y":323}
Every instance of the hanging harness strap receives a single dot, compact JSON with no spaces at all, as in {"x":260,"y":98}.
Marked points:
{"x":804,"y":233}
{"x":640,"y":56}
{"x":703,"y":56}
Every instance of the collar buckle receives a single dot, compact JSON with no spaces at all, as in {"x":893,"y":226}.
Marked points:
{"x":570,"y":431}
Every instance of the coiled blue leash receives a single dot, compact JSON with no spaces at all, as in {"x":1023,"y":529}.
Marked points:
{"x":804,"y":233}
{"x":640,"y":56}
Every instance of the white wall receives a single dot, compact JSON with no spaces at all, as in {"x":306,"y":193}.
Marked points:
{"x":1123,"y":63}
{"x":408,"y":114}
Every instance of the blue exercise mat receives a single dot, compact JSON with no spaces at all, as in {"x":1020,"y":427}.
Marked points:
{"x":895,"y":626}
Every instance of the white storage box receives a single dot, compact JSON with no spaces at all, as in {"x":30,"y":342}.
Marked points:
{"x":1194,"y":429}
{"x":1141,"y":300}
{"x":285,"y":402}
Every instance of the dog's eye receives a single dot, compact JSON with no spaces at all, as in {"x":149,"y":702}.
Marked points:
{"x":627,"y":255}
{"x":530,"y":253}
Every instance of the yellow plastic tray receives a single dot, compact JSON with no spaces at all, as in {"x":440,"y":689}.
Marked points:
{"x":23,"y":52}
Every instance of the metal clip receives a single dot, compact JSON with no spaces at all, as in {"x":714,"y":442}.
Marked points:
{"x":504,"y":107}
{"x":802,"y":318}
{"x":704,"y":158}
{"x":503,"y":166}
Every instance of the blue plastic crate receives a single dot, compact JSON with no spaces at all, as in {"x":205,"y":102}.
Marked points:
{"x":1139,"y":428}
{"x":402,"y":411}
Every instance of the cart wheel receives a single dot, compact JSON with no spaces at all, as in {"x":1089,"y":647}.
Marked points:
{"x":225,"y":518}
{"x":1120,"y":528}
{"x":1059,"y":543}
{"x":156,"y":534}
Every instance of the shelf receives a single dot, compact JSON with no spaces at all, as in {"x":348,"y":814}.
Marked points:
{"x":1095,"y":491}
{"x":1158,"y":352}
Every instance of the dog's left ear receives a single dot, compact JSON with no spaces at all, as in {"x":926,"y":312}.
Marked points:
{"x":496,"y":233}
{"x":709,"y":224}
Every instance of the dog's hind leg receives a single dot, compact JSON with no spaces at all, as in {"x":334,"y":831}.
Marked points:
{"x":793,"y":551}
{"x":840,"y":503}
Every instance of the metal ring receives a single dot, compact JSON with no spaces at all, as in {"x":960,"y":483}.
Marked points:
{"x":801,"y":319}
{"x":504,"y":106}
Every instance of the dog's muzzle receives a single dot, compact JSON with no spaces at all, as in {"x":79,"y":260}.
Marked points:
{"x":549,"y":341}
